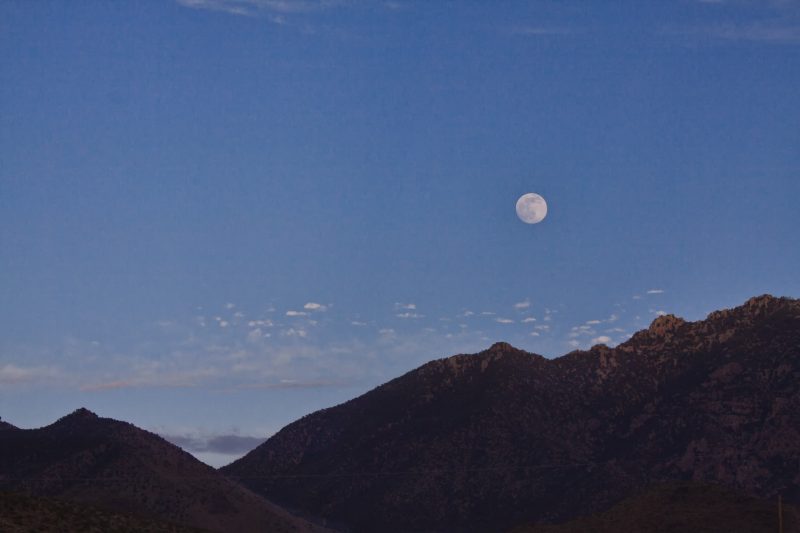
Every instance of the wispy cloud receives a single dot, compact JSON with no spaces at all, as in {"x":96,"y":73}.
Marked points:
{"x":409,"y":315}
{"x":229,"y":444}
{"x":11,"y":374}
{"x":503,"y":320}
{"x":777,"y":32}
{"x":522,"y":305}
{"x":758,"y":21}
{"x":231,"y":7}
{"x":409,"y":306}
{"x":296,"y":313}
{"x":314,"y":306}
{"x":655,"y":291}
{"x":254,"y":7}
{"x":295,"y":332}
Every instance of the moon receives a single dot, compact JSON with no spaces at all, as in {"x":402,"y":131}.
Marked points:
{"x":531,"y":208}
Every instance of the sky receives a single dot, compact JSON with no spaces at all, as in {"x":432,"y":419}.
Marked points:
{"x":217,"y":216}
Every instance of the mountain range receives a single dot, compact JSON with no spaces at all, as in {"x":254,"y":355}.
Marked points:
{"x":487,"y":441}
{"x":682,"y":422}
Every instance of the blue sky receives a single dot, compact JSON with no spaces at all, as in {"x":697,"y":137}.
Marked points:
{"x":219,"y":215}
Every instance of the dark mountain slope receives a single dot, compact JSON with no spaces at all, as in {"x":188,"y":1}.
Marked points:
{"x":117,"y":466}
{"x":682,"y":507}
{"x":482,"y":442}
{"x":23,"y":514}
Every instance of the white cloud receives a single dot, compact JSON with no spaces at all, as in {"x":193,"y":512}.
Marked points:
{"x":357,"y":323}
{"x":542,"y":327}
{"x":504,"y":320}
{"x":296,"y":313}
{"x":223,"y":323}
{"x":295,"y":332}
{"x":258,"y":323}
{"x":528,"y":319}
{"x":230,"y":305}
{"x":522,"y":305}
{"x":253,"y":7}
{"x":655,"y":291}
{"x":488,"y":313}
{"x":602,"y":339}
{"x":409,"y":307}
{"x":660,"y":312}
{"x":225,"y":6}
{"x":255,"y":335}
{"x":313,"y":306}
{"x":777,"y":32}
{"x":593,"y":322}
{"x":534,"y":334}
{"x":467,"y":313}
{"x":409,"y":315}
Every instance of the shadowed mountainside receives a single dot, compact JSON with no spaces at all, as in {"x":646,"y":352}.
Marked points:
{"x":678,"y":507}
{"x":23,"y":514}
{"x":504,"y":437}
{"x":118,"y":467}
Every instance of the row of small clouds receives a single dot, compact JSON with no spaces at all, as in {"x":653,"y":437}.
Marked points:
{"x":268,"y":353}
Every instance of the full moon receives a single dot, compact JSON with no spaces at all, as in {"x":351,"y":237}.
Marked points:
{"x":531,"y":208}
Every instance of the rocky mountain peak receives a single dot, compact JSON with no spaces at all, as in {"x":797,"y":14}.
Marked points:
{"x":502,"y":347}
{"x":666,"y":324}
{"x":759,"y":304}
{"x":83,"y":413}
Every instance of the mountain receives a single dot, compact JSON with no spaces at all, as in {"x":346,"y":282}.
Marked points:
{"x":682,"y":506}
{"x":116,"y":466}
{"x":488,"y":441}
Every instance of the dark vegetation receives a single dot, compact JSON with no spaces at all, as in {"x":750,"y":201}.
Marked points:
{"x":20,"y":513}
{"x":682,"y":507}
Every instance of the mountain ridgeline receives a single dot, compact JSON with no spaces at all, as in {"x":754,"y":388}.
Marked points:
{"x":493,"y":440}
{"x":103,"y":464}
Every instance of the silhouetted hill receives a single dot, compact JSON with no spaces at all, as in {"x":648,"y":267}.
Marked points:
{"x":117,"y":466}
{"x":682,"y":507}
{"x":487,"y":441}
